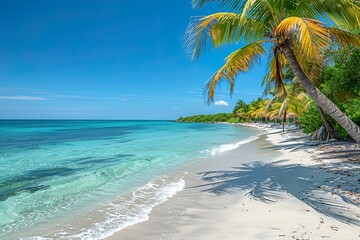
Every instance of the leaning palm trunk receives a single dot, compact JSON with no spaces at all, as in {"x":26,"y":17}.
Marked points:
{"x":320,"y":99}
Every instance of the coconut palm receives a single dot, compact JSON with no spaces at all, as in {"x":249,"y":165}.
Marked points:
{"x":242,"y":110}
{"x":258,"y":112}
{"x":289,"y":101}
{"x":272,"y":113}
{"x":289,"y":30}
{"x":243,"y":114}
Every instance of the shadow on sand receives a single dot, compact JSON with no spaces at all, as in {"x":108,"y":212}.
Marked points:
{"x":267,"y":182}
{"x":295,"y":143}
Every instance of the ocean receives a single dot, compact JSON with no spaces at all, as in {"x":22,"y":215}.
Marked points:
{"x":88,"y":179}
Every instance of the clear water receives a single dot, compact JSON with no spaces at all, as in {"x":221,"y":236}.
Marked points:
{"x":50,"y":170}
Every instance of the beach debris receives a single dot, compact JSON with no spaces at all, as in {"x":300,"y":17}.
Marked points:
{"x":321,"y":222}
{"x":334,"y":228}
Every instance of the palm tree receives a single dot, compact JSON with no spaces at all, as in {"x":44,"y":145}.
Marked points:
{"x":291,"y":100}
{"x":243,"y":114}
{"x":272,"y":113}
{"x":242,"y":110}
{"x":258,"y":112}
{"x":240,"y":104}
{"x":289,"y":30}
{"x":253,"y":111}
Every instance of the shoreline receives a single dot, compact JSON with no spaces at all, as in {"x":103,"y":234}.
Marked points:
{"x":284,"y":191}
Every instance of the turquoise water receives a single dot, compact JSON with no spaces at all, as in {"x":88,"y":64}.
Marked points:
{"x":50,"y":170}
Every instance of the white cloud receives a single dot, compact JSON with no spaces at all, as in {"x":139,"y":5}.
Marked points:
{"x":221,"y":103}
{"x":25,"y":98}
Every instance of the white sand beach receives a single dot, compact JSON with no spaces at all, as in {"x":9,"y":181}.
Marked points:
{"x":280,"y":186}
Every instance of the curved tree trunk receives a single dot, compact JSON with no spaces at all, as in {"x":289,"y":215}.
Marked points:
{"x":320,"y":99}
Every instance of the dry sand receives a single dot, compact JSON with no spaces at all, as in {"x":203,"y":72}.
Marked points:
{"x":280,"y":186}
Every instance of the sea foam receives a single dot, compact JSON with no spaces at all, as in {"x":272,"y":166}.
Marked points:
{"x":231,"y":146}
{"x":124,"y":212}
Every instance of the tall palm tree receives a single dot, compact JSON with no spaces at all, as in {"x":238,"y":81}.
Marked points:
{"x":289,"y":30}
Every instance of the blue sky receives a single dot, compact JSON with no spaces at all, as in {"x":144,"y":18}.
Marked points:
{"x":110,"y":59}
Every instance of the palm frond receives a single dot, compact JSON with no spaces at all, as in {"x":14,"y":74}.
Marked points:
{"x":283,"y":107}
{"x":220,"y":29}
{"x":278,"y":68}
{"x":239,"y":61}
{"x":303,"y":97}
{"x":266,"y":11}
{"x":278,"y":73}
{"x":232,"y":5}
{"x":343,"y":13}
{"x":246,"y":7}
{"x":344,"y":39}
{"x":268,"y":84}
{"x":269,"y":104}
{"x":311,"y":35}
{"x":312,"y":67}
{"x":291,"y":5}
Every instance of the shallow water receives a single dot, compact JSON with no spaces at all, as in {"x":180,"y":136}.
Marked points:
{"x":112,"y":172}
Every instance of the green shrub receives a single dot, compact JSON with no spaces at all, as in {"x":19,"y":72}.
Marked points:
{"x":310,"y":121}
{"x":352,"y":109}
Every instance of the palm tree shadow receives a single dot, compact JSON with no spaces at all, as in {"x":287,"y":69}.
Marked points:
{"x":269,"y":182}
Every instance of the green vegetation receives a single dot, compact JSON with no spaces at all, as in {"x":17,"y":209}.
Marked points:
{"x":340,"y":83}
{"x":289,"y":104}
{"x":291,"y":33}
{"x":212,"y":118}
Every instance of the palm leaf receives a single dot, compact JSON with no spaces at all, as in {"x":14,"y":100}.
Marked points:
{"x":344,"y":39}
{"x":239,"y":61}
{"x":310,"y":34}
{"x":269,"y":104}
{"x":220,"y":29}
{"x":343,"y":13}
{"x":233,"y":5}
{"x":278,"y":73}
{"x":247,"y":7}
{"x":313,"y":68}
{"x":283,"y":107}
{"x":266,"y":11}
{"x":303,"y":97}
